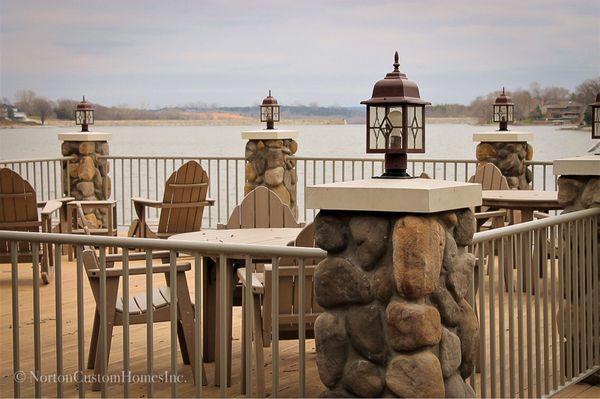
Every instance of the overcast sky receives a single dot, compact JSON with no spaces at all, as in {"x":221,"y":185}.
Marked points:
{"x":158,"y":53}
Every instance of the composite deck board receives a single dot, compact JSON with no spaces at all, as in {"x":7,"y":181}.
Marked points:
{"x":288,"y":349}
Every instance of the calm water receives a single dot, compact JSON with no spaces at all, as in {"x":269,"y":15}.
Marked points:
{"x":443,"y":141}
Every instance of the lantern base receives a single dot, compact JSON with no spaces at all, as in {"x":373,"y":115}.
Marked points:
{"x":395,"y":166}
{"x":394,"y":174}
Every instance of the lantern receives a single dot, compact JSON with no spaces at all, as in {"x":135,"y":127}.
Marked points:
{"x":395,"y":121}
{"x":596,"y":118}
{"x":84,"y":115}
{"x":269,"y":111}
{"x":503,"y":111}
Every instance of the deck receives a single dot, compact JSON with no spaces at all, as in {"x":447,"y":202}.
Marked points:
{"x":288,"y":349}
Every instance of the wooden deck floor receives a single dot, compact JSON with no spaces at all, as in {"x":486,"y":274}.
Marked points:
{"x":288,"y":349}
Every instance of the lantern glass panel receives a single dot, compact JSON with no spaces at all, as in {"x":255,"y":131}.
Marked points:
{"x":393,"y":128}
{"x":89,"y":117}
{"x":500,"y":113}
{"x":377,"y":137}
{"x":415,"y":140}
{"x":266,"y":113}
{"x":79,"y":117}
{"x":510,"y":113}
{"x":276,"y":113}
{"x":596,"y":122}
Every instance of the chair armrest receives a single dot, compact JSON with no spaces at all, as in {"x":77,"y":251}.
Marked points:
{"x":210,"y":201}
{"x":94,"y":203}
{"x":137,"y":270}
{"x":50,"y":207}
{"x":490,"y":214}
{"x":221,"y":226}
{"x":137,"y":256}
{"x":146,"y":202}
{"x":541,"y":215}
{"x":257,"y":285}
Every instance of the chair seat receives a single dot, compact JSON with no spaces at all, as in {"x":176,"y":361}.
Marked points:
{"x":137,"y":302}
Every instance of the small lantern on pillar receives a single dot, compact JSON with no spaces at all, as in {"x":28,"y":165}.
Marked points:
{"x":596,"y":117}
{"x":84,"y":115}
{"x":395,"y":121}
{"x":503,"y":111}
{"x":269,"y":111}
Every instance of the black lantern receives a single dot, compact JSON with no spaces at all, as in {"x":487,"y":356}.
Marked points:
{"x":596,"y":118}
{"x":503,"y":111}
{"x":84,"y":115}
{"x":395,"y":121}
{"x":269,"y":111}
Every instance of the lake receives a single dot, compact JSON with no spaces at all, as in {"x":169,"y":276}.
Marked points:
{"x":443,"y":141}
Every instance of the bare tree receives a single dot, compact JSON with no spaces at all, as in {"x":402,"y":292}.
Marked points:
{"x":42,"y":107}
{"x":24,"y":100}
{"x":586,"y":92}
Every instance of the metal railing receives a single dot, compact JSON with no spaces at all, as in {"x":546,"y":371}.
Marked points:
{"x":538,"y":335}
{"x":144,"y":176}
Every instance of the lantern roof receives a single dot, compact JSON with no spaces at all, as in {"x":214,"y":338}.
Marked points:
{"x":597,"y":103}
{"x":395,"y":88}
{"x":84,"y":105}
{"x":269,"y":100}
{"x":503,"y":99}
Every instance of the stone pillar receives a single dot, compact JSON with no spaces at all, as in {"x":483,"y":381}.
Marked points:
{"x":508,"y":151}
{"x":393,"y":286}
{"x":86,"y":177}
{"x":270,"y":162}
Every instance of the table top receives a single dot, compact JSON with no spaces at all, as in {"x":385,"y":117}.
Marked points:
{"x":521,"y":199}
{"x":259,"y":236}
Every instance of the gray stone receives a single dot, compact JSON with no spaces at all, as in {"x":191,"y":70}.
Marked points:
{"x":569,"y":189}
{"x":382,"y":284}
{"x":332,"y":348}
{"x":331,"y":232}
{"x":275,"y":158}
{"x":86,"y":188}
{"x":274,"y":143}
{"x":338,"y":392}
{"x":459,"y":279}
{"x":468,"y":332}
{"x":449,"y":309}
{"x":338,"y":282}
{"x":455,"y":387}
{"x":449,"y":352}
{"x":450,"y":250}
{"x":412,"y":326}
{"x":250,"y":150}
{"x":464,"y":230}
{"x":365,"y":329}
{"x":416,"y":375}
{"x":591,"y":193}
{"x":363,"y":378}
{"x":274,"y":177}
{"x":370,"y":235}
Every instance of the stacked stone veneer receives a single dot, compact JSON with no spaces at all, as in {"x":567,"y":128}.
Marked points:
{"x":578,"y":192}
{"x":510,"y":158}
{"x":393,"y":286}
{"x":88,"y":176}
{"x":271,"y":163}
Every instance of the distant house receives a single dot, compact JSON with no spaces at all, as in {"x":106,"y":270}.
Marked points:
{"x":565,"y":112}
{"x":20,"y":116}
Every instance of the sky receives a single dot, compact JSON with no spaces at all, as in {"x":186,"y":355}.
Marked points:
{"x":164,"y":53}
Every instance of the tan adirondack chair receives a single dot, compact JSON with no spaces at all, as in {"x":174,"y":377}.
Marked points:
{"x":490,"y":178}
{"x":289,"y":295}
{"x":19,"y":212}
{"x":181,"y":208}
{"x":261,"y":208}
{"x":138,"y":312}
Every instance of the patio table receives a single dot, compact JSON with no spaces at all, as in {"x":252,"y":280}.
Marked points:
{"x":211,"y":282}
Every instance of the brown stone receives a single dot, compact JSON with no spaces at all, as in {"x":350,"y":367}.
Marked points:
{"x":513,"y":182}
{"x":274,"y":177}
{"x":464,"y":230}
{"x":337,"y":392}
{"x":418,"y":244}
{"x":338,"y":282}
{"x":260,"y":145}
{"x":485,"y":151}
{"x":274,"y":143}
{"x":591,"y":193}
{"x":363,"y":379}
{"x":510,"y":165}
{"x":459,"y":279}
{"x":412,"y":326}
{"x":568,"y":189}
{"x":87,"y":148}
{"x":282,"y":193}
{"x":293,"y":146}
{"x":103,"y":166}
{"x":382,"y":284}
{"x":92,"y":221}
{"x":86,"y":188}
{"x":87,"y":169}
{"x":448,"y":219}
{"x":450,"y":251}
{"x":102,"y":148}
{"x":455,"y":387}
{"x":529,"y":150}
{"x":365,"y":330}
{"x":250,"y":172}
{"x":330,"y":232}
{"x":450,"y":311}
{"x":275,"y":158}
{"x":248,"y":187}
{"x":106,"y":187}
{"x":416,"y":375}
{"x":73,"y":169}
{"x":468,"y":332}
{"x":332,"y":348}
{"x":370,"y":234}
{"x":449,"y":352}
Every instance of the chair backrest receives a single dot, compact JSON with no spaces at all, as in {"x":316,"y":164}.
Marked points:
{"x":490,"y":177}
{"x":261,"y":208}
{"x":18,"y":210}
{"x":289,"y":290}
{"x":184,"y":200}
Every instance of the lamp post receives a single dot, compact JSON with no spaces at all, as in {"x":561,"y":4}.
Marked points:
{"x":84,"y":115}
{"x":395,"y":121}
{"x":596,"y":117}
{"x":269,"y":111}
{"x":503,"y":111}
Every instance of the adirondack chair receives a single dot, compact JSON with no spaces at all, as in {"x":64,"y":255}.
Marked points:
{"x":19,"y":211}
{"x":138,"y":312}
{"x":261,"y":208}
{"x":490,"y":178}
{"x":181,"y":208}
{"x":289,"y":295}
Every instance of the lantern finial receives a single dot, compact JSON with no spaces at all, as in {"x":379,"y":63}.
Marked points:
{"x":396,"y":62}
{"x":84,"y":98}
{"x":269,"y":92}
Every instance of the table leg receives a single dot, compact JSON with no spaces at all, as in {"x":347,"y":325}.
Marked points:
{"x":209,"y":292}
